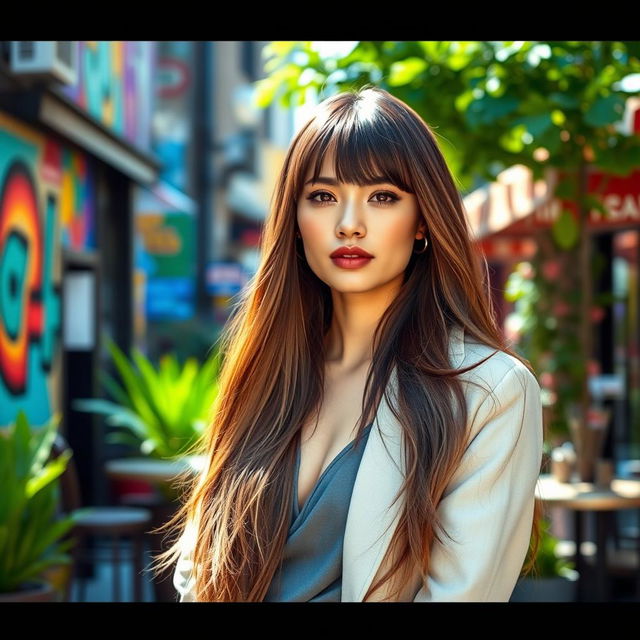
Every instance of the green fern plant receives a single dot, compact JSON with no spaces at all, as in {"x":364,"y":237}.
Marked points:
{"x":31,"y":530}
{"x":548,"y":564}
{"x":162,"y":412}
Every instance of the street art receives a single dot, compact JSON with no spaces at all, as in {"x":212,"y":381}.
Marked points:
{"x":115,"y":86}
{"x":47,"y":200}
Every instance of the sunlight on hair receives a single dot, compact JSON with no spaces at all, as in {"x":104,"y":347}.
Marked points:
{"x":366,"y":107}
{"x":273,"y":383}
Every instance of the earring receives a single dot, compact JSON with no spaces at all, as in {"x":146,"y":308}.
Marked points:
{"x":426,"y":242}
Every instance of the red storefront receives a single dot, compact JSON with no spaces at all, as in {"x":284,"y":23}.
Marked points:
{"x":505,"y":216}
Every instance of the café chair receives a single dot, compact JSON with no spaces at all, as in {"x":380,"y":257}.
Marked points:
{"x":116,"y":523}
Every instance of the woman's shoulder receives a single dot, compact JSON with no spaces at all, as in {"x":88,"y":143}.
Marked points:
{"x":501,"y":389}
{"x":495,"y":368}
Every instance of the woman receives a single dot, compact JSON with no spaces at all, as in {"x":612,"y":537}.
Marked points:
{"x":374,"y":438}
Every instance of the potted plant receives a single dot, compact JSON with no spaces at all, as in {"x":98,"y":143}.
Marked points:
{"x":32,"y":544}
{"x":553,"y":578}
{"x":162,"y":412}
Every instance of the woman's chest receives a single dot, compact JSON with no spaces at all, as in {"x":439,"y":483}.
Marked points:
{"x":336,"y":428}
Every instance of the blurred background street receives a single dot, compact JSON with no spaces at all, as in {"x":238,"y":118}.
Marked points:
{"x":135,"y":179}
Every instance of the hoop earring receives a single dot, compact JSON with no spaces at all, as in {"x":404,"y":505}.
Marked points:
{"x":426,"y":242}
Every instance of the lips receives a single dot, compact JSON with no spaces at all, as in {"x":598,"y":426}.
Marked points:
{"x":350,"y":263}
{"x":351,"y":252}
{"x":351,"y":257}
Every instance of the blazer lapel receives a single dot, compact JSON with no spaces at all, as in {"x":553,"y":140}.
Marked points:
{"x":372,"y":518}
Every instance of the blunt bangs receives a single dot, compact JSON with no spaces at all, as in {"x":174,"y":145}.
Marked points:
{"x":364,"y":151}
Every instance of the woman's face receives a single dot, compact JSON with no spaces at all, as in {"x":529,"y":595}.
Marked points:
{"x":381,"y":219}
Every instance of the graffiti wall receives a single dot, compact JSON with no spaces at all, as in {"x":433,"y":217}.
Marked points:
{"x":115,"y":86}
{"x":47,"y":200}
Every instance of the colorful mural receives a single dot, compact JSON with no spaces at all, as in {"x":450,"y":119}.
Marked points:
{"x":47,"y":200}
{"x":115,"y":86}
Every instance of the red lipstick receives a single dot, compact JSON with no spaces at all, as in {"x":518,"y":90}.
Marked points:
{"x":351,"y":257}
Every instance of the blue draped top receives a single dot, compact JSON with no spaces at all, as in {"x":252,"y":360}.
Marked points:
{"x":311,"y":567}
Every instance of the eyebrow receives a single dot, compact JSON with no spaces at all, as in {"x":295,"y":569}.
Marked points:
{"x":334,"y":183}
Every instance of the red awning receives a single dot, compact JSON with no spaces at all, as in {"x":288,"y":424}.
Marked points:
{"x":497,"y":207}
{"x":515,"y":205}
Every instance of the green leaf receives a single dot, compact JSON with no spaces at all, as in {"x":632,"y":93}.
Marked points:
{"x":536,"y":125}
{"x":42,"y":441}
{"x":50,"y":472}
{"x":406,"y":71}
{"x":512,"y":140}
{"x":565,"y":230}
{"x":264,"y":92}
{"x":564,"y":100}
{"x":133,"y":383}
{"x":122,"y":437}
{"x":513,"y":287}
{"x":53,"y":533}
{"x":566,"y":189}
{"x":621,"y":161}
{"x":114,"y":389}
{"x":22,"y":435}
{"x":488,"y":110}
{"x":605,"y":110}
{"x":116,"y":414}
{"x":593,"y":202}
{"x":30,"y":531}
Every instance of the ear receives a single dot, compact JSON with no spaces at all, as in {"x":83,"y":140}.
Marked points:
{"x":422,"y":225}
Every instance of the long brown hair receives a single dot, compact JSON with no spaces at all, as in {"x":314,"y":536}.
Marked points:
{"x":272,"y":377}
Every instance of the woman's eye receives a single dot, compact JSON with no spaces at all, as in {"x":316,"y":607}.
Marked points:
{"x":313,"y":197}
{"x":389,"y":198}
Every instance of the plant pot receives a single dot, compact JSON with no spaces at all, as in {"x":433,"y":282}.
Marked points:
{"x":556,"y":589}
{"x":31,"y":591}
{"x":59,"y":576}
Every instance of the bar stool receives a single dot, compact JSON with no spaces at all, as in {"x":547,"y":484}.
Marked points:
{"x":116,"y":523}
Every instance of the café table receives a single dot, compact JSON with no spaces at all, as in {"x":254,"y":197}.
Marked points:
{"x":160,"y":474}
{"x":152,"y":470}
{"x":587,"y":497}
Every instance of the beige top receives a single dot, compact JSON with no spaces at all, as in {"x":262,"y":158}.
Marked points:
{"x":487,"y":506}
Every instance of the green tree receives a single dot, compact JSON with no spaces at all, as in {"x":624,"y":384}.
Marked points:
{"x":548,"y":105}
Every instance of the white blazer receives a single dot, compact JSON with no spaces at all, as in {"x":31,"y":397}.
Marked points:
{"x":487,"y":508}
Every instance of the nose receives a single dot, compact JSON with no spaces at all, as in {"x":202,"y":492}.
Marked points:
{"x":351,"y":220}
